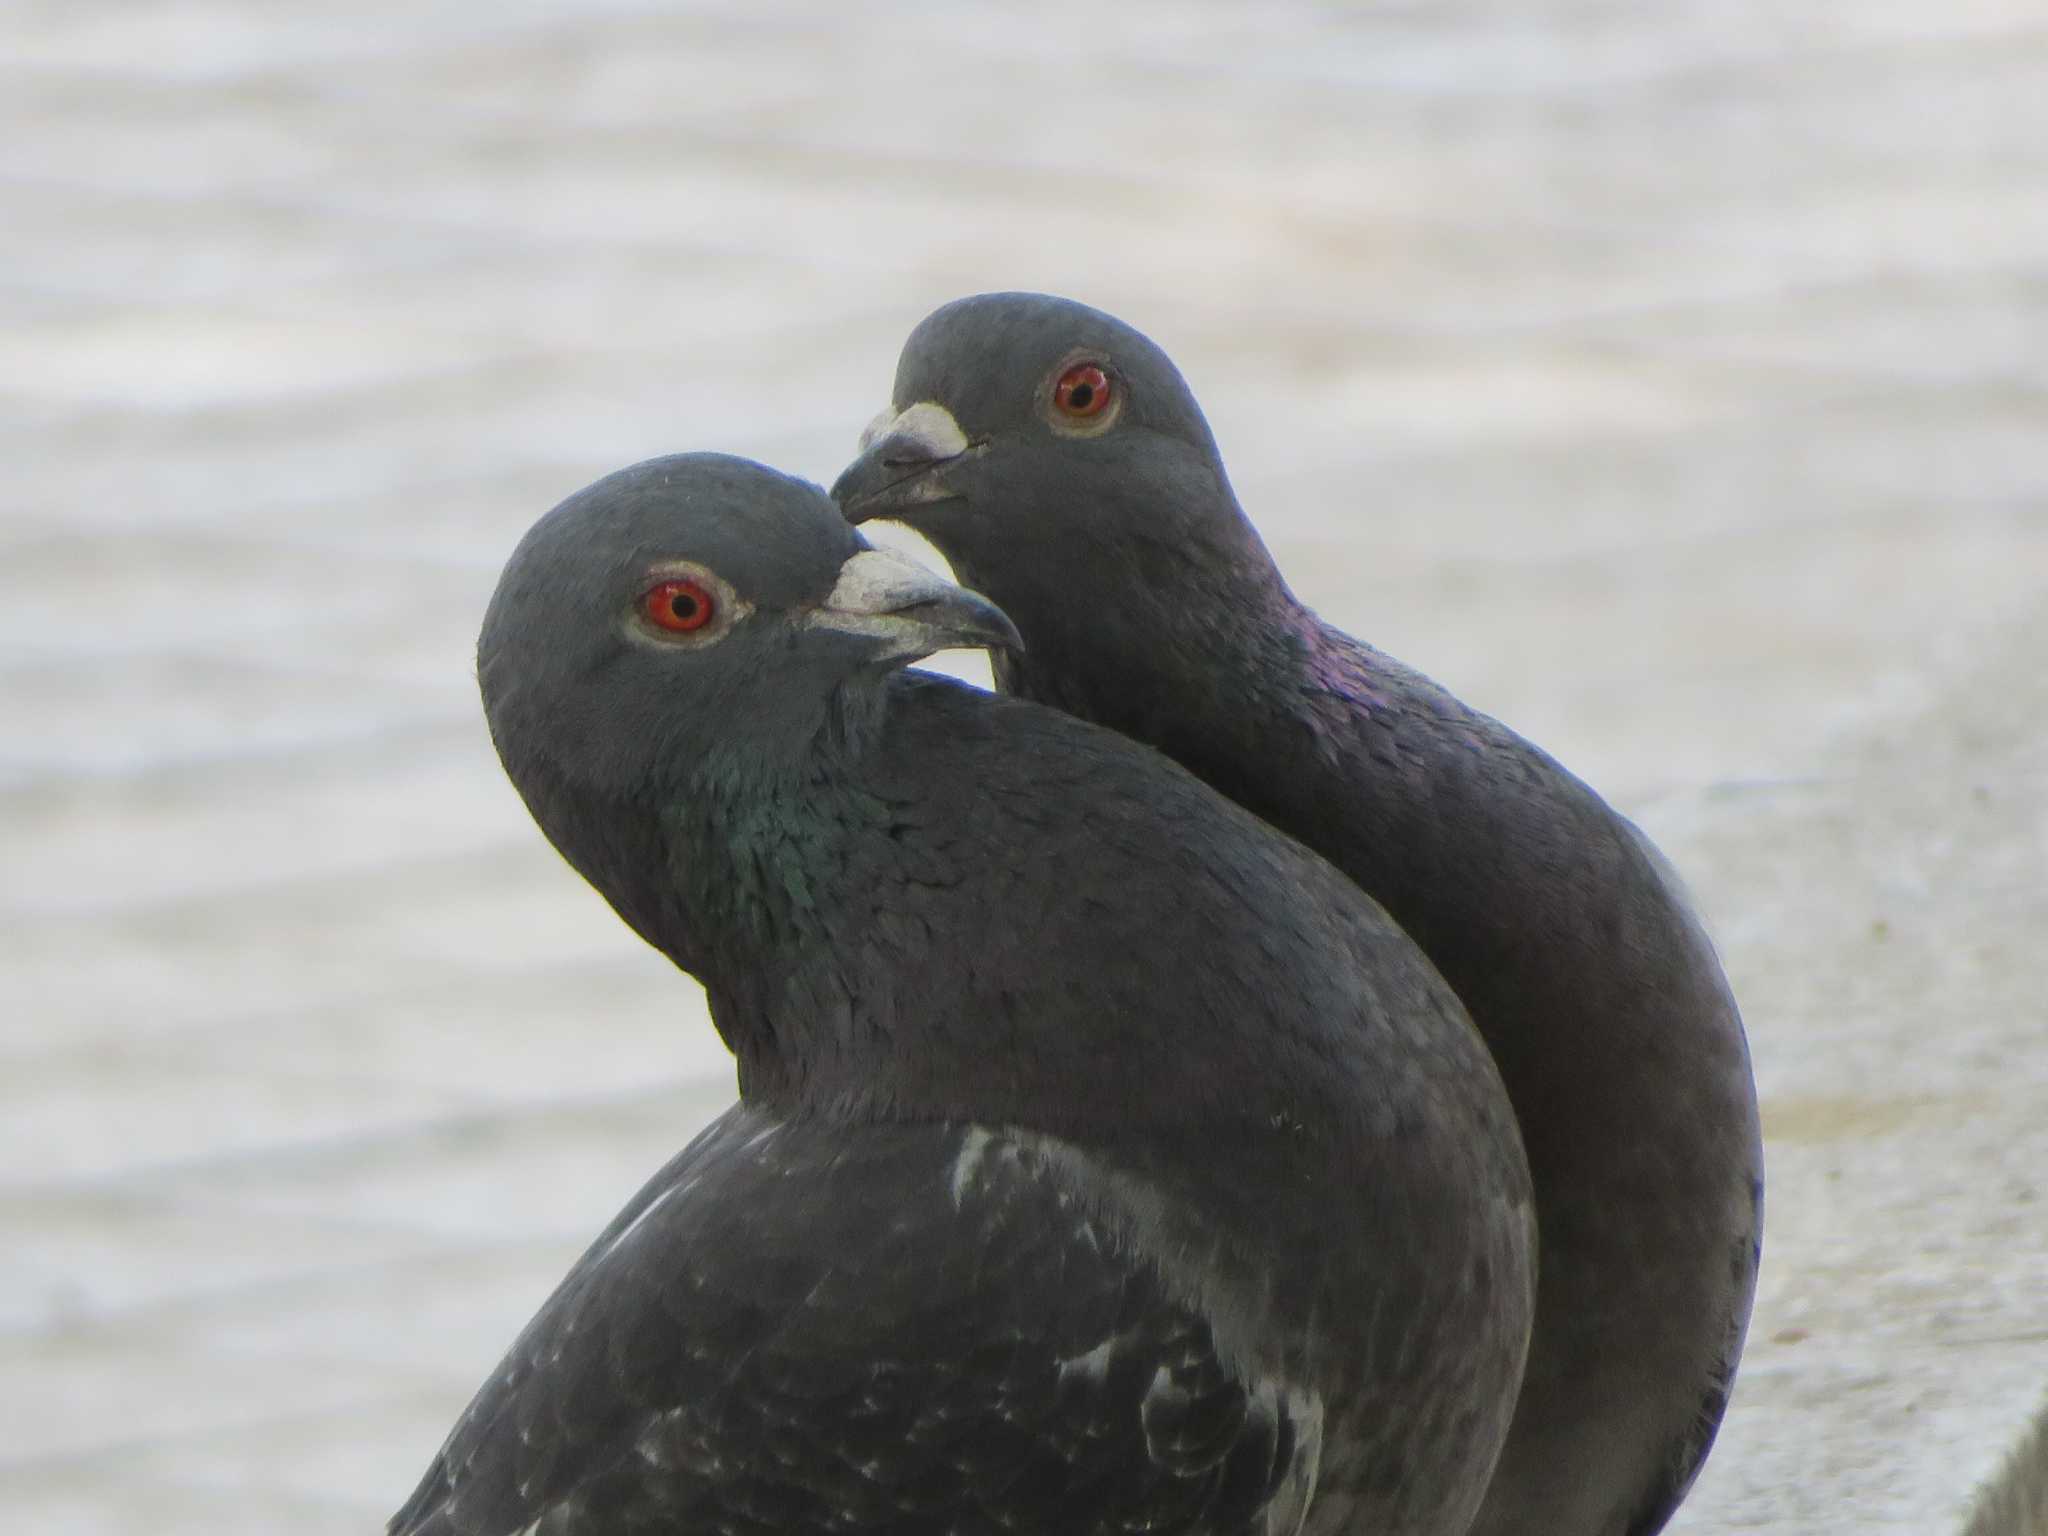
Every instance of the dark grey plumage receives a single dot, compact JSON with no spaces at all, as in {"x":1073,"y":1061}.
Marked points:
{"x":1104,"y":523}
{"x":1104,"y":1160}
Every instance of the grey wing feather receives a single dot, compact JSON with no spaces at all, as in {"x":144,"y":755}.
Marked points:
{"x":799,"y":1328}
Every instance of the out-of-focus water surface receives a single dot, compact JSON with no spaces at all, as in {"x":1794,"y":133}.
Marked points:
{"x":1672,"y":381}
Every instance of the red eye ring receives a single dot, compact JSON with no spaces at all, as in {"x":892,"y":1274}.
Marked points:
{"x":680,"y":605}
{"x":1082,"y":391}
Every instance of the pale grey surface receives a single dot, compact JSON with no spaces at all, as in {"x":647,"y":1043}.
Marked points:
{"x":1672,"y":381}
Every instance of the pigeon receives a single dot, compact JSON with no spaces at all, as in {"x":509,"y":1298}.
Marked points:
{"x":1055,"y":456}
{"x":1104,"y":1160}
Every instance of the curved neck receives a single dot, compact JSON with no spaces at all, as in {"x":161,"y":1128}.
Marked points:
{"x":1502,"y":865}
{"x":1203,"y":613}
{"x":893,"y":932}
{"x":1540,"y":904}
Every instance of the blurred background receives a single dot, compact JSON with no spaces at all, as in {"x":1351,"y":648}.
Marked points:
{"x":1671,"y":381}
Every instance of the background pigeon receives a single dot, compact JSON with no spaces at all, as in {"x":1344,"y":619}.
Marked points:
{"x":1060,"y":462}
{"x":1104,"y":1160}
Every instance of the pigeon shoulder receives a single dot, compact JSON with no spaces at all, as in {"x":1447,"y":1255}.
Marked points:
{"x":1150,"y":830}
{"x":1027,"y":760}
{"x":1093,"y":847}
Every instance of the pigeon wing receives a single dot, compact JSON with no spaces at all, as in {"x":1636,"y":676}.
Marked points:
{"x":804,"y":1327}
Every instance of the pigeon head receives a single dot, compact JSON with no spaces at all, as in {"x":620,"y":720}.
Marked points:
{"x":1021,"y":420}
{"x":692,"y":610}
{"x":1057,"y":458}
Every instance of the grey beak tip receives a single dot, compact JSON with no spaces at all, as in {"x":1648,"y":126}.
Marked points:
{"x":1006,"y":636}
{"x":896,"y":453}
{"x":966,"y":620}
{"x":846,"y":490}
{"x":912,"y":611}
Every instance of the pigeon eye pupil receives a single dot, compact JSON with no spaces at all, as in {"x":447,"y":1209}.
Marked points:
{"x":1082,"y":391}
{"x":680,"y":605}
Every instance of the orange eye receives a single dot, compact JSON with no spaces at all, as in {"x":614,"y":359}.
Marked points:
{"x":681,"y":605}
{"x":1082,"y":391}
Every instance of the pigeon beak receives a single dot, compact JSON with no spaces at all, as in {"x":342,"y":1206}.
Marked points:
{"x":902,"y":463}
{"x":883,"y":597}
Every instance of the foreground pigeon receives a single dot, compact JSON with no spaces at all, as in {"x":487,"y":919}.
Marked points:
{"x":1057,"y":458}
{"x":1104,"y":1161}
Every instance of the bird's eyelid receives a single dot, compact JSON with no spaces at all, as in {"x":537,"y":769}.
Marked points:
{"x":679,"y":569}
{"x":728,"y":607}
{"x":1052,"y":393}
